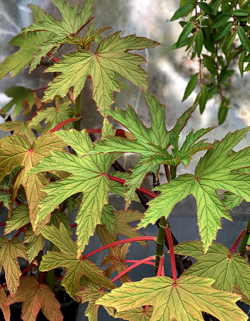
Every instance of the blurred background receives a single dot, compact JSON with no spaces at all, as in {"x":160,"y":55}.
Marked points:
{"x":169,"y":72}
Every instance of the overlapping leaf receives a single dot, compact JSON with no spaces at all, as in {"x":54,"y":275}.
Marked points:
{"x":35,"y":297}
{"x":90,"y":293}
{"x":184,"y":301}
{"x":112,"y":58}
{"x":51,"y":116}
{"x":18,"y":219}
{"x":22,"y":99}
{"x":4,"y":306}
{"x":25,"y":152}
{"x":75,"y":268}
{"x":34,"y":244}
{"x":88,"y":176}
{"x":215,"y":171}
{"x":229,"y":270}
{"x":151,"y":143}
{"x":10,"y":251}
{"x":44,"y":35}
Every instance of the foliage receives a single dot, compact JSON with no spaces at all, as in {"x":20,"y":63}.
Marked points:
{"x":51,"y":168}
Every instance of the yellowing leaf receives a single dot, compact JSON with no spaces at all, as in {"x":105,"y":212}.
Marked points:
{"x":75,"y":268}
{"x":139,"y":314}
{"x":4,"y":306}
{"x":217,"y":170}
{"x":35,"y":297}
{"x":184,"y":301}
{"x":10,"y":251}
{"x":88,"y":176}
{"x":229,"y":270}
{"x":19,"y":218}
{"x":112,"y":58}
{"x":34,"y":244}
{"x":90,"y":293}
{"x":116,"y":258}
{"x":26,"y":152}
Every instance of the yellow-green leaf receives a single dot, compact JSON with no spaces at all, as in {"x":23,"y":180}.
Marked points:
{"x":184,"y":301}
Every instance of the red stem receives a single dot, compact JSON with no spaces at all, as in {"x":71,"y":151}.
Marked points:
{"x":139,"y":262}
{"x":114,"y":244}
{"x":169,"y":238}
{"x":134,"y":261}
{"x":123,"y":181}
{"x":161,"y":271}
{"x":237,"y":242}
{"x":62,"y":123}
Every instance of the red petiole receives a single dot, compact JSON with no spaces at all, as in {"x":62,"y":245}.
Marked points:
{"x":133,"y":266}
{"x":114,"y":244}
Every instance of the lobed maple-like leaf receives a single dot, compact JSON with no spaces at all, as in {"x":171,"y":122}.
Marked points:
{"x":4,"y":306}
{"x":116,"y":258}
{"x":89,"y":294}
{"x":139,"y":314}
{"x":17,"y":127}
{"x":152,"y":143}
{"x":229,"y":270}
{"x":46,"y":34}
{"x":35,"y":297}
{"x":52,"y":116}
{"x":112,"y":58}
{"x":87,"y":177}
{"x":22,"y":99}
{"x":18,"y":219}
{"x":183,"y":301}
{"x":215,"y":171}
{"x":10,"y":251}
{"x":75,"y":268}
{"x":26,"y":152}
{"x":34,"y":244}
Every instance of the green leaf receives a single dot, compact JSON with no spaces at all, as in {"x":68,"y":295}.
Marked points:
{"x":240,"y":13}
{"x":243,"y":38}
{"x":22,"y":98}
{"x":45,"y":35}
{"x":183,"y":11}
{"x":87,"y":177}
{"x":206,"y":93}
{"x":199,"y":39}
{"x":52,"y":116}
{"x":75,"y":268}
{"x":215,"y":171}
{"x":10,"y":251}
{"x":223,"y":111}
{"x":210,"y":64}
{"x":185,"y":33}
{"x":231,"y":200}
{"x":19,"y":218}
{"x":221,"y":34}
{"x":184,"y":301}
{"x":229,"y":270}
{"x":151,"y":143}
{"x":112,"y":58}
{"x":190,"y":86}
{"x":28,"y":44}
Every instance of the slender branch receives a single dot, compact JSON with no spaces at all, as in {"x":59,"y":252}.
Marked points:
{"x":62,"y":123}
{"x":236,"y":243}
{"x":114,"y":244}
{"x":133,"y":266}
{"x":134,"y":261}
{"x":161,"y":271}
{"x":169,"y":238}
{"x":123,"y":181}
